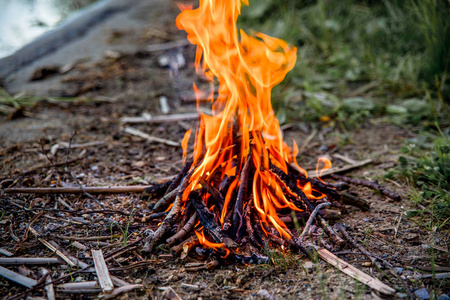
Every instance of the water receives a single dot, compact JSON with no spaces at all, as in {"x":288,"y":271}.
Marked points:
{"x":21,"y":21}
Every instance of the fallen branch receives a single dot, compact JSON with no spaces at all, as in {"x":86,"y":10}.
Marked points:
{"x":370,"y":184}
{"x":150,"y":138}
{"x":88,"y":238}
{"x":86,"y":267}
{"x":77,"y":190}
{"x":5,"y":252}
{"x":311,"y":218}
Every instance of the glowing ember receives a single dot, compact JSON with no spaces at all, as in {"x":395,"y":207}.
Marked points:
{"x":238,"y":180}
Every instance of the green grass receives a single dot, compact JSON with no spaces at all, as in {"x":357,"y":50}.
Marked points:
{"x":426,"y":163}
{"x":397,"y":50}
{"x":362,"y":59}
{"x":125,"y":232}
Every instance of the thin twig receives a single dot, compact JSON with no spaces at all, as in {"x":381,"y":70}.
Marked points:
{"x":150,"y":138}
{"x":161,"y":119}
{"x":312,"y":173}
{"x":51,"y":247}
{"x":312,"y":217}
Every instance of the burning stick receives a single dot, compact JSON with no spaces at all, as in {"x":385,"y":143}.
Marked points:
{"x":186,"y":229}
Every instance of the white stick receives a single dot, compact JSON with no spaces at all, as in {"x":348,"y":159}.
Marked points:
{"x":102,"y":271}
{"x":49,"y":290}
{"x":136,"y":132}
{"x":355,"y":273}
{"x":160,"y":119}
{"x":17,"y":278}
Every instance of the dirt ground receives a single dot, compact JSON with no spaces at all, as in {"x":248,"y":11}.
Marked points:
{"x":35,"y":153}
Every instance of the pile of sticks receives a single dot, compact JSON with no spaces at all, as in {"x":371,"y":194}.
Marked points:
{"x":242,"y":228}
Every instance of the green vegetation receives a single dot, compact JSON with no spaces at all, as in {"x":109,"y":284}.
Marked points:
{"x":358,"y":58}
{"x":125,"y":233}
{"x":361,"y":59}
{"x":426,"y":162}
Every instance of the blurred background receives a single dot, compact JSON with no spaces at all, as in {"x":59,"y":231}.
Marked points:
{"x":23,"y":20}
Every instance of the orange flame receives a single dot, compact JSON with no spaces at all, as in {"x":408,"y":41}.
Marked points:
{"x":247,"y":68}
{"x":327,"y":164}
{"x":207,"y":244}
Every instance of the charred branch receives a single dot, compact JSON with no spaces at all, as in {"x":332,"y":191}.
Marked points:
{"x":209,"y":224}
{"x":370,"y":184}
{"x":185,"y":230}
{"x":238,"y":211}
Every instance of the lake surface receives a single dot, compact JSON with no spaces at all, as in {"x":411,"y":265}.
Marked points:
{"x":21,"y":21}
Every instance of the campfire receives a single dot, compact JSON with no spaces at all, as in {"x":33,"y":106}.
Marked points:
{"x":241,"y":189}
{"x":241,"y":193}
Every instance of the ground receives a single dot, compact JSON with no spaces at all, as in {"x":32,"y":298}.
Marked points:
{"x":35,"y":153}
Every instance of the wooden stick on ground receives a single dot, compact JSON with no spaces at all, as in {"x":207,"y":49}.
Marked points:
{"x":8,"y":261}
{"x":5,"y":252}
{"x":102,"y":271}
{"x":120,"y":290}
{"x":79,"y":287}
{"x":49,"y":290}
{"x":17,"y":278}
{"x":312,"y":173}
{"x":117,"y":281}
{"x":312,"y":217}
{"x":51,"y":247}
{"x":150,"y":138}
{"x":160,"y":119}
{"x":76,"y":190}
{"x":355,"y":273}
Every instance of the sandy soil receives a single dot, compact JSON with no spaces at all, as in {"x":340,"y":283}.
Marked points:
{"x":130,"y":83}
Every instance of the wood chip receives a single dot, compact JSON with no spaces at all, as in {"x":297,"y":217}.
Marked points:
{"x":79,"y":245}
{"x":5,"y":252}
{"x":17,"y":278}
{"x":116,"y":281}
{"x":79,"y":287}
{"x":190,"y":286}
{"x":102,"y":271}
